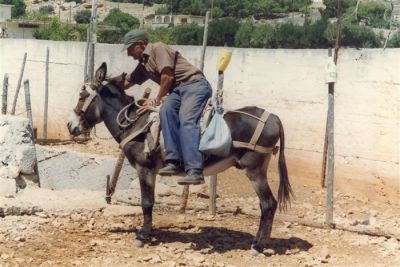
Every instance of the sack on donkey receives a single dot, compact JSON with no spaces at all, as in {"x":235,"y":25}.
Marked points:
{"x":216,"y":139}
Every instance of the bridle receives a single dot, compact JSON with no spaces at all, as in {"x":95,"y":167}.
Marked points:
{"x":88,"y":99}
{"x":81,"y":109}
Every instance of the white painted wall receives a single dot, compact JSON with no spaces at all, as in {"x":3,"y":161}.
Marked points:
{"x":289,"y":83}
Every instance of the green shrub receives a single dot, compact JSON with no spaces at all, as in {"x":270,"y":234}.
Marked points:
{"x":83,"y":17}
{"x":374,"y":14}
{"x":109,"y":36}
{"x":244,"y":34}
{"x":163,"y":11}
{"x":121,"y":20}
{"x":359,"y":37}
{"x":46,"y":9}
{"x":394,"y":41}
{"x":161,"y":35}
{"x":57,"y":31}
{"x":76,"y":1}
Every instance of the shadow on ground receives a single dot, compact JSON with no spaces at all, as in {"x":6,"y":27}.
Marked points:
{"x":220,"y":240}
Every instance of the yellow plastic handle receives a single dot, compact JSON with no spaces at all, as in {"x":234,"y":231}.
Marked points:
{"x":224,"y":58}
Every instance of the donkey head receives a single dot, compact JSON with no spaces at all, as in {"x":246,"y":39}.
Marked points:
{"x":87,"y":112}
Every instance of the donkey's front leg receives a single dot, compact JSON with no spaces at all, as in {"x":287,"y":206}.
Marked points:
{"x":147,"y":184}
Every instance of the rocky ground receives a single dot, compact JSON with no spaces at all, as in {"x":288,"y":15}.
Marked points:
{"x":43,"y":227}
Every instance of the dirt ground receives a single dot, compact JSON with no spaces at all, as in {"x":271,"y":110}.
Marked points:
{"x":104,"y":236}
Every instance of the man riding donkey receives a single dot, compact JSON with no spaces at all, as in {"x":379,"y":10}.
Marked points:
{"x":188,"y":92}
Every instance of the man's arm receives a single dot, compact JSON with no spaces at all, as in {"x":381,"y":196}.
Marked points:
{"x":167,"y":78}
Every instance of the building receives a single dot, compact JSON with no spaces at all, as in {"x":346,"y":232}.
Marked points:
{"x":158,"y":21}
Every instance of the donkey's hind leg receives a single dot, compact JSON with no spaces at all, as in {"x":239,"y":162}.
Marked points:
{"x":256,"y":169}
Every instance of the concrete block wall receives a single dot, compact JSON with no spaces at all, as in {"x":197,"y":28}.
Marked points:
{"x":289,"y":83}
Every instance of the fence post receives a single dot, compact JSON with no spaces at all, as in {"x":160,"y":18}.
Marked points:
{"x":29,"y":115}
{"x":46,"y":96}
{"x":18,"y":85}
{"x":5,"y":95}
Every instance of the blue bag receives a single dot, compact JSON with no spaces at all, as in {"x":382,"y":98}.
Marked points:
{"x":216,"y":139}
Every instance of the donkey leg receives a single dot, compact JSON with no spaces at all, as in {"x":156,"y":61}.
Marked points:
{"x":147,"y":185}
{"x":268,"y":204}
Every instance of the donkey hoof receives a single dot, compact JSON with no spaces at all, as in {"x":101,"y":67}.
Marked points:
{"x":138,"y":243}
{"x":254,"y":252}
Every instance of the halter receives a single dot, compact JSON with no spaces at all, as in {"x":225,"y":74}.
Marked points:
{"x":89,"y":99}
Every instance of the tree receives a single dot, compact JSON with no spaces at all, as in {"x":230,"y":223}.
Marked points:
{"x":222,"y":31}
{"x":187,"y":34}
{"x":121,"y":20}
{"x":331,"y":7}
{"x":83,"y":16}
{"x":18,"y":8}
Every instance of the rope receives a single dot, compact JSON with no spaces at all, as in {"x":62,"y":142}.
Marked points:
{"x":101,"y":138}
{"x":139,"y":112}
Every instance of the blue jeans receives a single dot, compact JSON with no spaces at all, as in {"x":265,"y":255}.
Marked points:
{"x":180,"y":115}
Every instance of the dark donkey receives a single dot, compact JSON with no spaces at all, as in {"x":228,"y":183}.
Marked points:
{"x":104,"y":104}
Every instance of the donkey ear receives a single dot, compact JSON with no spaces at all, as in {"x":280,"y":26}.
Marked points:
{"x":101,"y":73}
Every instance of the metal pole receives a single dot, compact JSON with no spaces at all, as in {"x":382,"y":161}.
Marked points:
{"x":18,"y":85}
{"x":5,"y":95}
{"x":46,"y":95}
{"x":28,"y":103}
{"x":86,"y":71}
{"x":330,"y":129}
{"x":93,"y":39}
{"x":29,"y":115}
{"x":203,"y":50}
{"x":331,"y":156}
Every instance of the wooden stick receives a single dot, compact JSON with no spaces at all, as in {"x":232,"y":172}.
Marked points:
{"x":117,"y":170}
{"x":18,"y":85}
{"x":213,"y":195}
{"x":184,"y":199}
{"x":5,"y":95}
{"x":46,"y":95}
{"x":29,"y":115}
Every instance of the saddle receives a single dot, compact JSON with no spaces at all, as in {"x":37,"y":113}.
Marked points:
{"x":153,"y":139}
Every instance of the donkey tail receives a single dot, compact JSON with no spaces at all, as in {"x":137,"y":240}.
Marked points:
{"x":285,"y":189}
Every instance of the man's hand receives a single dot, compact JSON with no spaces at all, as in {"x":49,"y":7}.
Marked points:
{"x":152,"y":102}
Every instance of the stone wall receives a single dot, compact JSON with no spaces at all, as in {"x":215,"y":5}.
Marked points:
{"x":17,"y":154}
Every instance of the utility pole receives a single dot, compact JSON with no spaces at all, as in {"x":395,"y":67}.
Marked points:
{"x":93,"y":40}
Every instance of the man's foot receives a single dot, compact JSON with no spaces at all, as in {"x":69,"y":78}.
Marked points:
{"x":171,"y":168}
{"x":193,"y":177}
